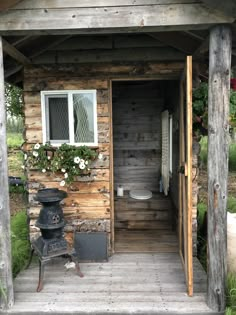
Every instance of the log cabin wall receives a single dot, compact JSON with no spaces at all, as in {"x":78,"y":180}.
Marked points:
{"x":89,"y":204}
{"x":137,"y":107}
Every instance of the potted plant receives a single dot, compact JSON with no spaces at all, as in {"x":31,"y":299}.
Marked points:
{"x":68,"y":160}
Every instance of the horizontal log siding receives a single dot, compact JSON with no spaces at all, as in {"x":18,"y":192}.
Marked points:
{"x":88,"y":206}
{"x":86,"y":201}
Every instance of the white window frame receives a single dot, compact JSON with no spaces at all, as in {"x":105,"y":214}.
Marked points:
{"x":69,"y":94}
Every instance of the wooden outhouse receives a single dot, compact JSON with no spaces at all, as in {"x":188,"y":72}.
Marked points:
{"x":136,"y":63}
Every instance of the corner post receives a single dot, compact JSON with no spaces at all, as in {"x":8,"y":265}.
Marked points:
{"x":218,"y":135}
{"x":6,"y":282}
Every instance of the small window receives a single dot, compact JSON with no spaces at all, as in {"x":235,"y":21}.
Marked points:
{"x":69,"y":117}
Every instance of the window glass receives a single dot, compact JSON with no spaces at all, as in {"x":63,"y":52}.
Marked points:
{"x":69,"y":117}
{"x":83,"y":110}
{"x":58,"y":128}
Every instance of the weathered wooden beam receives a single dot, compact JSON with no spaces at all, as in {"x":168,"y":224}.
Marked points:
{"x":14,"y":53}
{"x":227,"y":7}
{"x":110,"y":19}
{"x":49,"y":46}
{"x":177,"y":40}
{"x":203,"y":48}
{"x":97,"y":56}
{"x":53,"y":4}
{"x":218,"y":134}
{"x":20,"y":40}
{"x":194,"y":35}
{"x":6,"y":4}
{"x":36,"y":53}
{"x":6,"y":285}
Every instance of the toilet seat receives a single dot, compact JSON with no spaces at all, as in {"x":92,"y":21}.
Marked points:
{"x":140,"y":194}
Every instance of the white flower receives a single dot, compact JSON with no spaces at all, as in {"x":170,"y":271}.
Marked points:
{"x":63,"y":170}
{"x":82,"y":166}
{"x":25,"y":156}
{"x":73,"y":166}
{"x":76,"y":160}
{"x":35,"y":153}
{"x":86,"y":162}
{"x":43,"y":170}
{"x":37,"y":146}
{"x":100,"y":156}
{"x":66,"y":175}
{"x":49,"y":157}
{"x":62,"y":183}
{"x":23,"y":167}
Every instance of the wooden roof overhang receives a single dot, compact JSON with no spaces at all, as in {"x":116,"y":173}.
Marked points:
{"x":57,"y":31}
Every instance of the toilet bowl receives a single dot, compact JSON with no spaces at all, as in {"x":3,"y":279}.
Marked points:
{"x":140,"y":194}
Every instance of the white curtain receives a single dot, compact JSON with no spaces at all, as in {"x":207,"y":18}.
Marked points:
{"x":165,"y":151}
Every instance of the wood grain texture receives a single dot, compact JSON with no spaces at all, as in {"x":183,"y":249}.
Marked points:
{"x":116,"y":18}
{"x":136,"y":133}
{"x":53,"y":4}
{"x":6,"y":281}
{"x":138,"y":283}
{"x":218,"y":133}
{"x":104,"y":55}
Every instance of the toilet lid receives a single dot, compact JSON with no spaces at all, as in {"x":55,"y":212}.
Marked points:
{"x":140,"y":194}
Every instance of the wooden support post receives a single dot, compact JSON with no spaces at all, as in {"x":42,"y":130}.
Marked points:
{"x":218,"y":135}
{"x":6,"y":285}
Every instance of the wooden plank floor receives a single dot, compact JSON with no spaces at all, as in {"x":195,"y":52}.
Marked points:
{"x":144,"y":241}
{"x":127,"y":284}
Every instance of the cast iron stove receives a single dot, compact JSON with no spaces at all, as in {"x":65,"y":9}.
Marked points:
{"x":51,"y":222}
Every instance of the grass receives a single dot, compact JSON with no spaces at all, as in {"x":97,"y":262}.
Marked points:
{"x":231,"y":294}
{"x":15,"y":158}
{"x":232,"y":154}
{"x":14,"y":140}
{"x":19,"y":241}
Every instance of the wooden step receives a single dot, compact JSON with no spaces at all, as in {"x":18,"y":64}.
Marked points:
{"x":144,"y":225}
{"x":141,"y":215}
{"x":145,"y":241}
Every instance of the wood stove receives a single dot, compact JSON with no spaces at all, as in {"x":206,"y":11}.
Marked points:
{"x":51,"y":222}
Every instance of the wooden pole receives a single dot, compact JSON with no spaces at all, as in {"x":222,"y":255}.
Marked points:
{"x":218,"y":135}
{"x":6,"y":284}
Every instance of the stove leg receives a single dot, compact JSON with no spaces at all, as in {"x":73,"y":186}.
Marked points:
{"x":77,"y":266}
{"x":41,"y":274}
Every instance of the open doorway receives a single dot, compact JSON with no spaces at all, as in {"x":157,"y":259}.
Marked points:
{"x":144,"y":225}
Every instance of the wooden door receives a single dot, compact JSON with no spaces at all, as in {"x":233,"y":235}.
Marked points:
{"x":185,"y":174}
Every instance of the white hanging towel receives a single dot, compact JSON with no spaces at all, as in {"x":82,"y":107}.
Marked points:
{"x":165,"y":151}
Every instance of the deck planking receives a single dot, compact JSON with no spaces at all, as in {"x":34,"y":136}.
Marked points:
{"x":126,"y":284}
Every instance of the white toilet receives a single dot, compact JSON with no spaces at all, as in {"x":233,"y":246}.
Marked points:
{"x":140,"y":194}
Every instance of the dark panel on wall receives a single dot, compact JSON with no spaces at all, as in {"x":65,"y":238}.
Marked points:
{"x":91,"y":246}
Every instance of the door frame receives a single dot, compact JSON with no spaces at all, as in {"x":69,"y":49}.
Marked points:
{"x":185,"y":175}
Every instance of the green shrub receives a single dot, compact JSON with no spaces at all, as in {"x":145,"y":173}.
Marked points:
{"x":231,"y":293}
{"x":15,"y":124}
{"x":19,"y":242}
{"x":229,"y":311}
{"x":231,"y":204}
{"x":232,"y":157}
{"x":203,"y":152}
{"x":201,"y":210}
{"x":201,"y":236}
{"x":232,"y":154}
